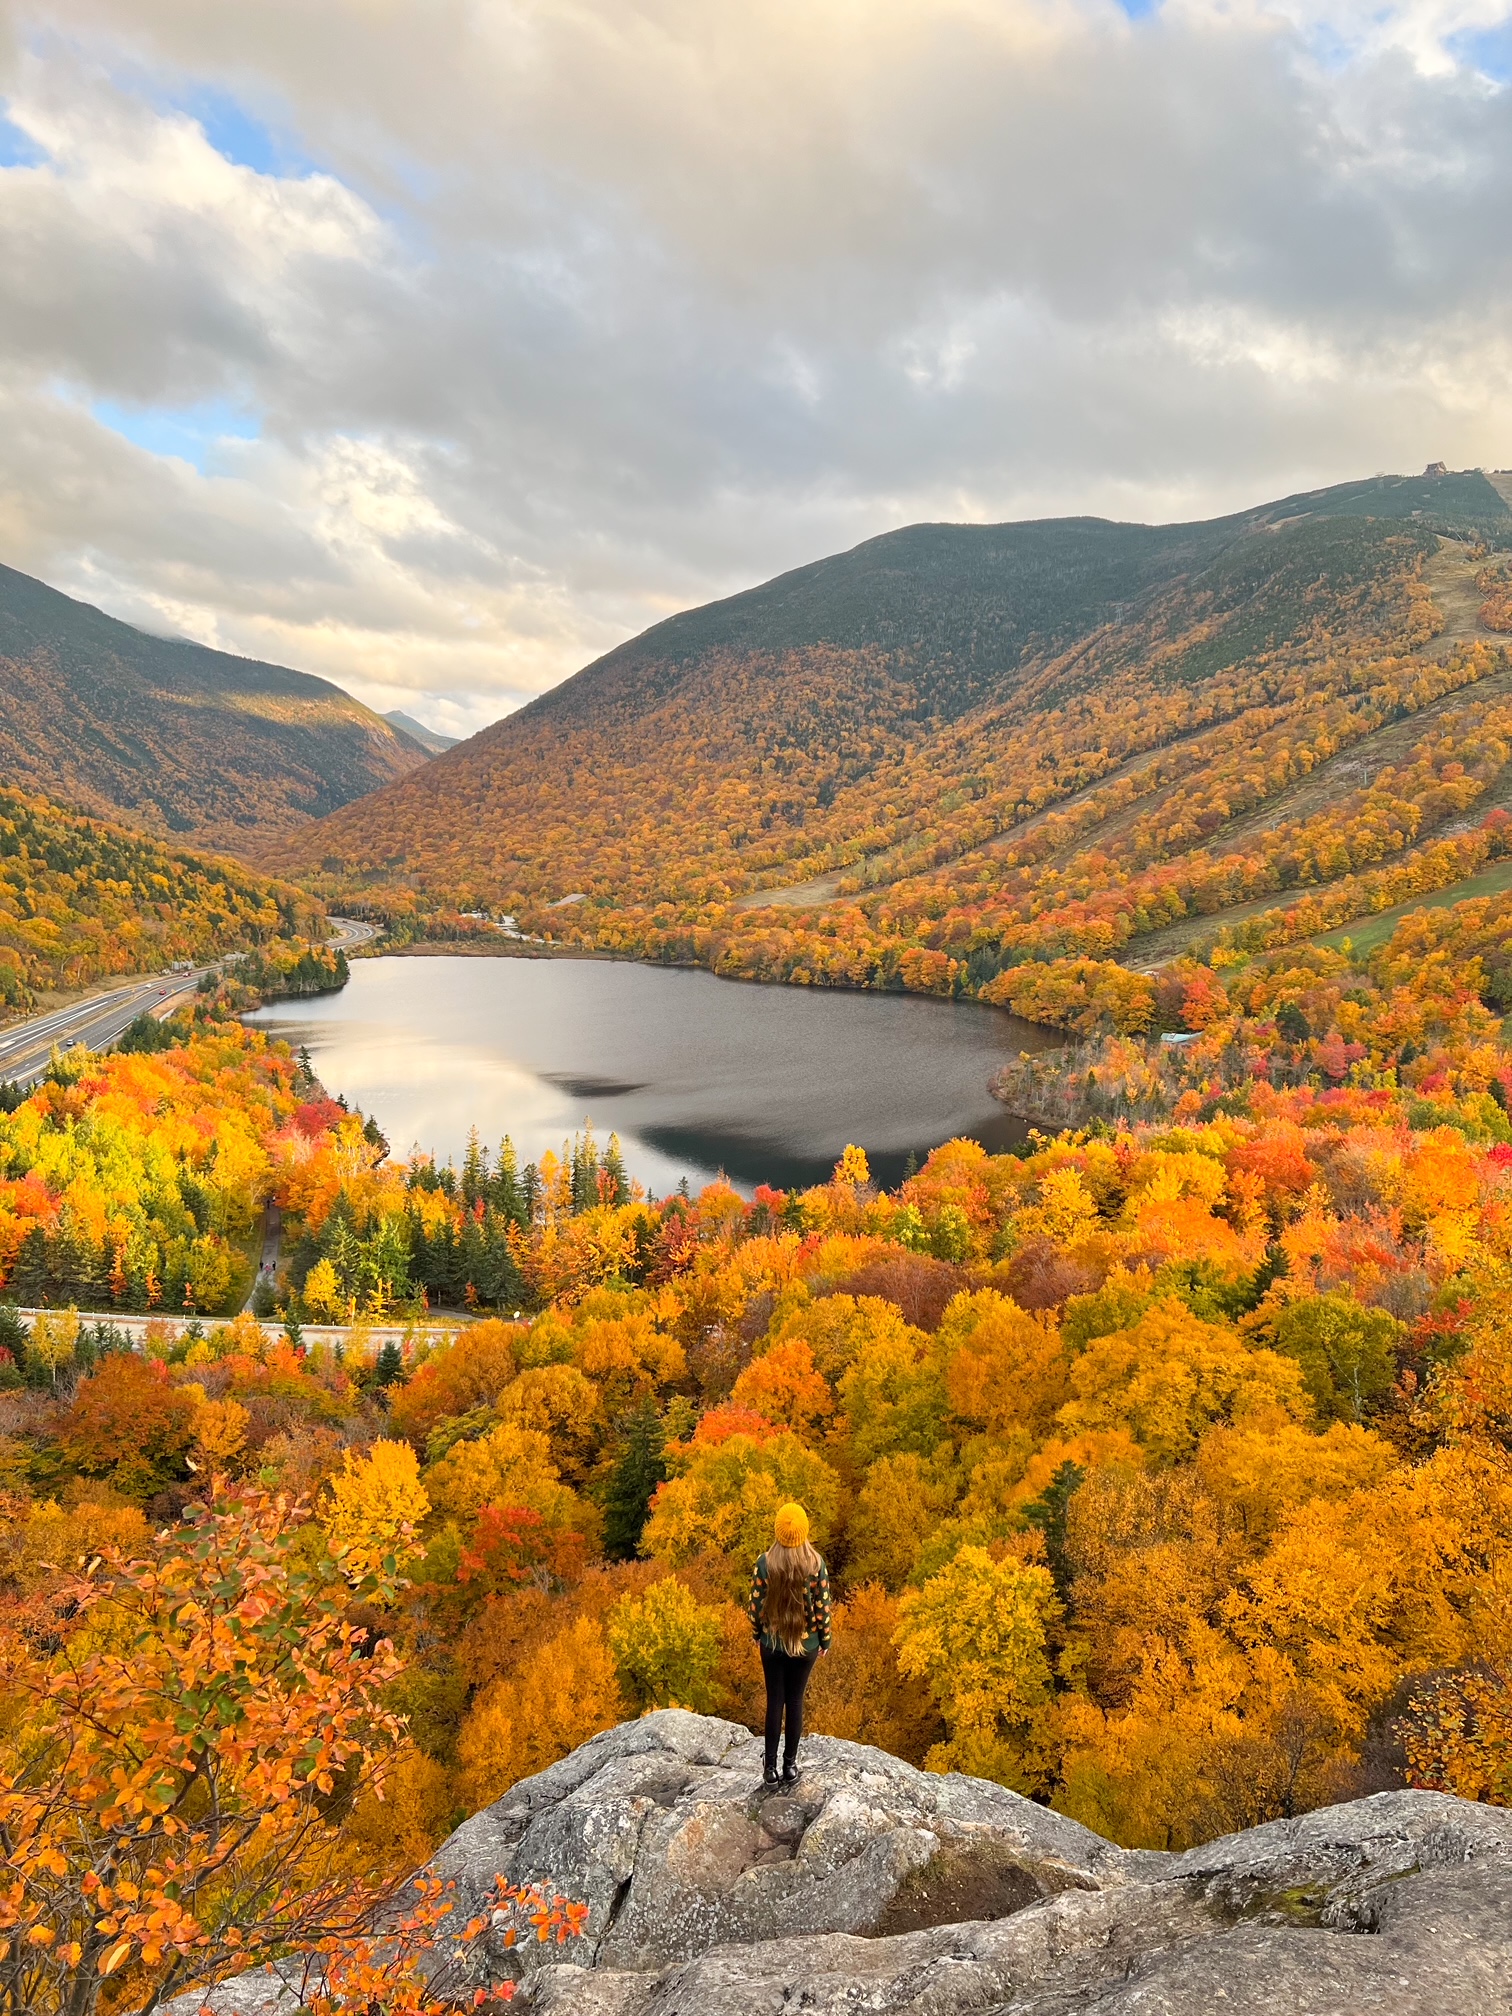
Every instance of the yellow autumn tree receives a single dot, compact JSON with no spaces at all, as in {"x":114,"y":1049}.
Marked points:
{"x":893,"y":1394}
{"x":54,"y":1335}
{"x":1004,"y":1369}
{"x":666,"y":1645}
{"x":510,"y":1465}
{"x":557,"y":1401}
{"x":901,"y":1503}
{"x":567,"y":1691}
{"x":1171,"y":1375}
{"x":322,"y":1293}
{"x":1458,"y":1735}
{"x":220,"y":1436}
{"x":975,"y":1634}
{"x":375,"y":1507}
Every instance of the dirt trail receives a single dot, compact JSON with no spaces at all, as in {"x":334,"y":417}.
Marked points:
{"x":798,"y":895}
{"x":1450,"y":574}
{"x":1353,"y":768}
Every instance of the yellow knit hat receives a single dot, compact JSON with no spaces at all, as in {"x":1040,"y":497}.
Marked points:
{"x":792,"y":1526}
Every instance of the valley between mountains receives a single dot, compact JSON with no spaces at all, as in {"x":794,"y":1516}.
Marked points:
{"x":1161,"y":1463}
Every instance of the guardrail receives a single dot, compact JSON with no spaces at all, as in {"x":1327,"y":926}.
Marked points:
{"x":417,"y":1330}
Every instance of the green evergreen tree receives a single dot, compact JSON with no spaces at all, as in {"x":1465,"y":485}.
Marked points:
{"x":508,"y":1193}
{"x":474,"y":1169}
{"x":616,"y":1185}
{"x":29,"y":1278}
{"x":12,"y":1335}
{"x":585,"y":1169}
{"x":639,"y":1466}
{"x":1049,"y":1512}
{"x":390,"y":1366}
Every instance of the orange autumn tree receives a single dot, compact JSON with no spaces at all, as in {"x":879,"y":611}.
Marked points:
{"x":172,"y":1788}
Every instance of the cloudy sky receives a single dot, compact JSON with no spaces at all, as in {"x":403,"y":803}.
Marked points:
{"x":437,"y":345}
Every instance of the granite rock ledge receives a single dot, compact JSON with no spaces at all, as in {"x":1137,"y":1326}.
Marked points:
{"x":875,"y":1887}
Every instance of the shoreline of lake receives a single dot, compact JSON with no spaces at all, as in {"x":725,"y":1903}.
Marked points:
{"x":466,"y":948}
{"x":764,"y":1082}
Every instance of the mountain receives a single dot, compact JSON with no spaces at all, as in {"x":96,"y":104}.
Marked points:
{"x":429,"y":740}
{"x":170,"y":736}
{"x":958,"y":748}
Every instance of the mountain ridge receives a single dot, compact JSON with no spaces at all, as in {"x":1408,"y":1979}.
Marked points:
{"x":916,"y":702}
{"x":1473,"y":505}
{"x":171,"y":736}
{"x":428,"y":739}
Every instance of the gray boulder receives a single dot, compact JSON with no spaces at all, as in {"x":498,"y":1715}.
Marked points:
{"x":876,"y":1887}
{"x":663,"y":1829}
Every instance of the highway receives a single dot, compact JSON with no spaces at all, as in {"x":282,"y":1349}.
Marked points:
{"x":26,"y":1047}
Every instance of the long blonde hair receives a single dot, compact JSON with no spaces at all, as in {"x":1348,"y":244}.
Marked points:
{"x":788,"y":1572}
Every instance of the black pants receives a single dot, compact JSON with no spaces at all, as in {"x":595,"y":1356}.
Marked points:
{"x":786,"y":1678}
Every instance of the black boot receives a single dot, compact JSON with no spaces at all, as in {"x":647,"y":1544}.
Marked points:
{"x":789,"y":1773}
{"x":769,"y":1772}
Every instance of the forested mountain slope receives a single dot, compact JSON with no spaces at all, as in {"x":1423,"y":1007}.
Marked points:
{"x":171,"y":736}
{"x":82,"y":899}
{"x":961,"y":750}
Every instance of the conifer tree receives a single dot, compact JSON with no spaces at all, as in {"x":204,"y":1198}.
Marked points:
{"x":585,"y":1170}
{"x":474,"y":1168}
{"x":638,"y":1468}
{"x":30,"y":1277}
{"x":12,"y":1334}
{"x":508,"y":1192}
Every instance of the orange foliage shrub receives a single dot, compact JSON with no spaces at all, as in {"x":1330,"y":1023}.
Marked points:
{"x":471,"y":1371}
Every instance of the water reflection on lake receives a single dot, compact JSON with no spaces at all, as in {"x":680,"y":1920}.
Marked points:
{"x":695,"y":1074}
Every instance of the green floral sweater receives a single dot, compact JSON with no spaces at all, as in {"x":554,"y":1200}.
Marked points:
{"x":818,"y":1622}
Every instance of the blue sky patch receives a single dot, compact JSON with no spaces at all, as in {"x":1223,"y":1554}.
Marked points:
{"x":1488,"y":50}
{"x":192,"y":433}
{"x":17,"y":149}
{"x":240,"y":136}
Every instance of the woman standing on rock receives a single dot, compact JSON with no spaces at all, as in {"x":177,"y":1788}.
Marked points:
{"x":789,"y":1609}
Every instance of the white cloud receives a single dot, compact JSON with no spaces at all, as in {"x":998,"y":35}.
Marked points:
{"x":589,"y":309}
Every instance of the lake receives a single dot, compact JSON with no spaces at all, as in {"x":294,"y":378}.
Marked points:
{"x":695,"y":1074}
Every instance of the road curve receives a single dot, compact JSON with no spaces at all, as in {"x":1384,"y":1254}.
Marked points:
{"x":349,"y":933}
